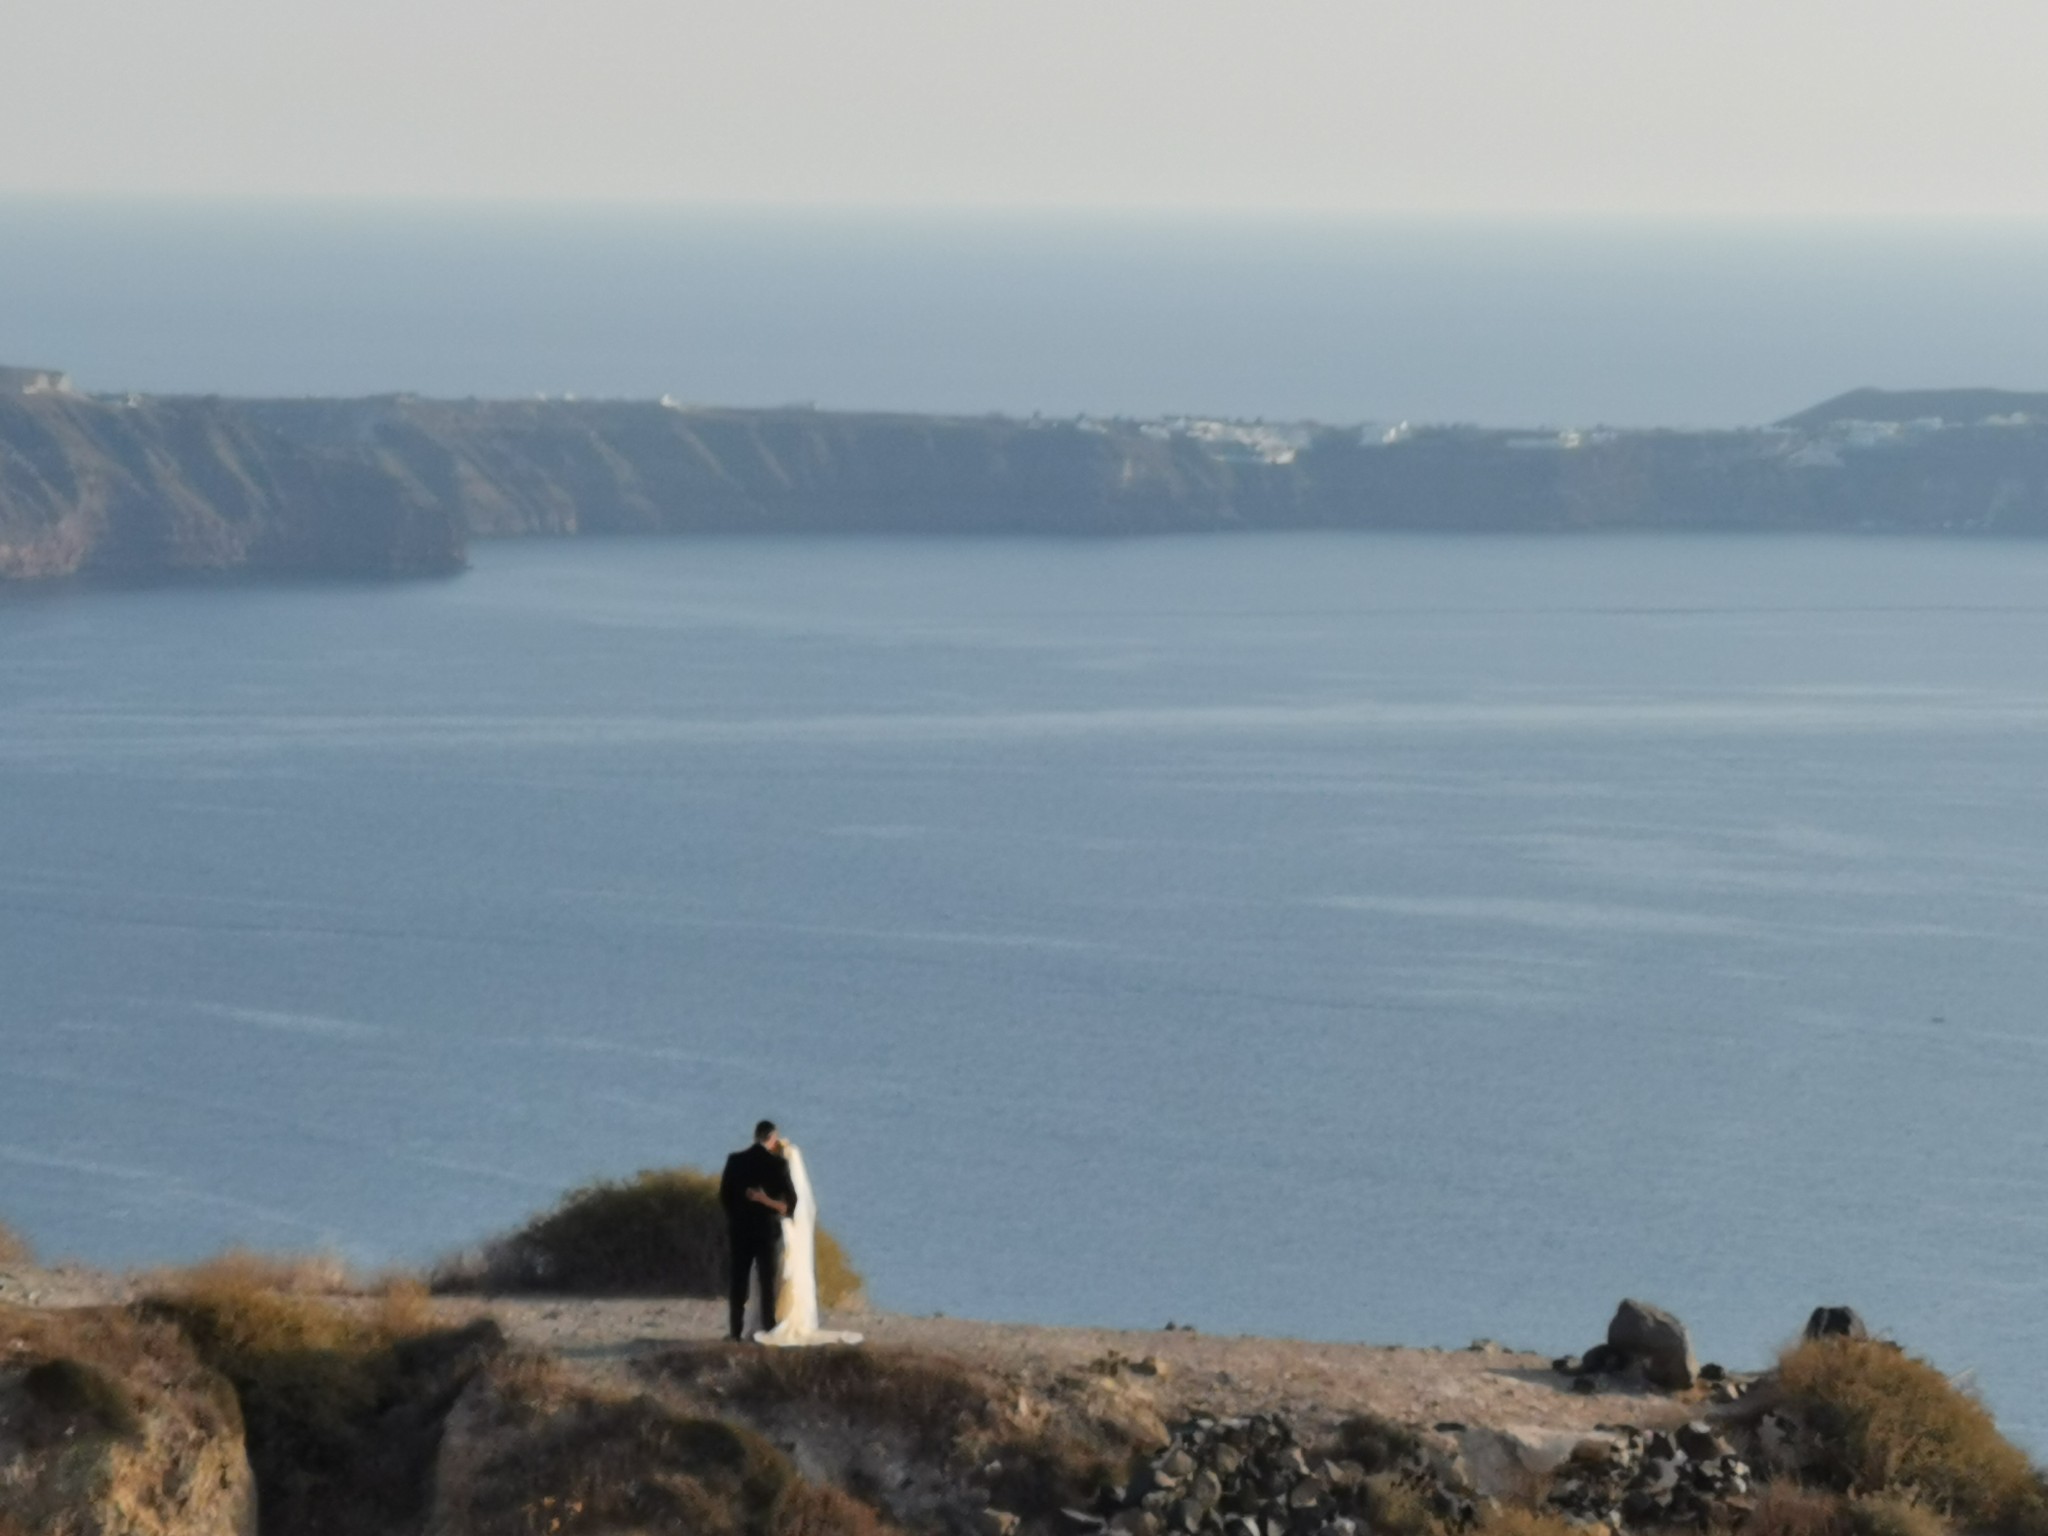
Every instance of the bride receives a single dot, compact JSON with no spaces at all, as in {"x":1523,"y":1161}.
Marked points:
{"x":796,"y":1296}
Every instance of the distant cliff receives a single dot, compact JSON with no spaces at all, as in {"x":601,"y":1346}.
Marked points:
{"x":395,"y":485}
{"x":176,"y":486}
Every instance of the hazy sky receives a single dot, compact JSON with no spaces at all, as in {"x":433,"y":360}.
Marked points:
{"x":1761,"y":107}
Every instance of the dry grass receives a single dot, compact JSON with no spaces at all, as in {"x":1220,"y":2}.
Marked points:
{"x":660,"y":1233}
{"x":343,"y":1401}
{"x":1787,"y":1509}
{"x":559,"y":1461}
{"x":1886,"y":1515}
{"x":1035,"y":1455}
{"x":931,"y":1397}
{"x":1519,"y":1520}
{"x":107,"y":1418}
{"x":15,"y":1249}
{"x":1894,"y":1425}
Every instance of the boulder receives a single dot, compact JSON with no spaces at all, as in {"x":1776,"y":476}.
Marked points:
{"x":1656,"y":1340}
{"x":1836,"y":1323}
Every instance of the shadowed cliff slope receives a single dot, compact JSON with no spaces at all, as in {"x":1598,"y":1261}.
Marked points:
{"x":181,"y":486}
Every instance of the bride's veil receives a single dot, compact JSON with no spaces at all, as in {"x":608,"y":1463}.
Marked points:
{"x":800,"y":1249}
{"x":798,"y":1320}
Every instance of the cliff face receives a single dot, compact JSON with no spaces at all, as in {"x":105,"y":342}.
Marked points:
{"x":174,"y":486}
{"x":564,"y":467}
{"x":394,"y":486}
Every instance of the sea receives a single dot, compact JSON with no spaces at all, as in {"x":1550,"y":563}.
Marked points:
{"x":1555,"y":323}
{"x":1403,"y":939}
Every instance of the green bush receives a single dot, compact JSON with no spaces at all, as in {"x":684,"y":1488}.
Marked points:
{"x":659,"y":1233}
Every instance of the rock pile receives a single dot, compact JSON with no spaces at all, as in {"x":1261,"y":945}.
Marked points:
{"x":1690,"y":1476}
{"x":1641,"y":1339}
{"x":1253,"y":1477}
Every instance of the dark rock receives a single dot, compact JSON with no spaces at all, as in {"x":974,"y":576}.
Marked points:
{"x":1605,"y":1360}
{"x":1700,"y":1443}
{"x":1585,"y":1384}
{"x":1658,"y":1341}
{"x":1836,"y":1323}
{"x":1710,"y":1372}
{"x":1568,"y":1365}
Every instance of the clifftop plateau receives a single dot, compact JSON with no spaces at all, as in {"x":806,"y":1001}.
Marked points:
{"x":396,"y":485}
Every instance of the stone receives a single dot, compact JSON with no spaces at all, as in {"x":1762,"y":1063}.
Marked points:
{"x":1587,"y":1385}
{"x":1188,"y":1515}
{"x":1205,"y":1488}
{"x":1082,"y":1520}
{"x":1175,"y":1465}
{"x":1658,"y":1341}
{"x":1306,"y":1494}
{"x":1710,"y":1372}
{"x":1836,"y":1323}
{"x":1700,"y":1443}
{"x":1604,"y":1360}
{"x":1226,"y":1459}
{"x":999,"y":1522}
{"x":1568,"y":1365}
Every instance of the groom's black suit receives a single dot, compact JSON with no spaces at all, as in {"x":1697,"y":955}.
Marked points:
{"x":755,"y":1230}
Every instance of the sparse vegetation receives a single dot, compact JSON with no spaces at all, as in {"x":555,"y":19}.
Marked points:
{"x":1035,"y":1455}
{"x":1519,"y":1520}
{"x":1788,"y":1509}
{"x":14,"y":1248}
{"x":1376,"y":1444}
{"x":660,"y":1233}
{"x":1893,"y":1425}
{"x":567,"y":1461}
{"x":343,"y":1401}
{"x":1397,"y":1507}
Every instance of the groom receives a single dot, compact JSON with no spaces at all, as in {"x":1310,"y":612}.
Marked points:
{"x":756,"y":1193}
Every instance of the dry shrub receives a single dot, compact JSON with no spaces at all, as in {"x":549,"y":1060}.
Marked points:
{"x":1888,"y":1423}
{"x":660,"y":1233}
{"x":15,"y":1249}
{"x":564,"y":1462}
{"x":343,"y":1402}
{"x":1375,"y":1443}
{"x":1397,"y":1507}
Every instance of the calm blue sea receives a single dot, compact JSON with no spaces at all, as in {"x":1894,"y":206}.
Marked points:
{"x":1403,"y":939}
{"x":1516,"y":323}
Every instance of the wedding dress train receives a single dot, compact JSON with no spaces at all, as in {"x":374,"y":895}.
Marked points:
{"x":796,"y":1298}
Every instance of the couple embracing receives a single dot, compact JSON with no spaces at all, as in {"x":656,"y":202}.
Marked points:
{"x":773,"y":1223}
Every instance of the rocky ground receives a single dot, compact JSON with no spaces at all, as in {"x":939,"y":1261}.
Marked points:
{"x":527,"y":1414}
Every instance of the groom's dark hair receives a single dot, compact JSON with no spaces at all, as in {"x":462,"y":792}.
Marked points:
{"x":764,"y":1130}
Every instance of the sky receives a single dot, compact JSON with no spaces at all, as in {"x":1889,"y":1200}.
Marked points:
{"x":1686,"y":108}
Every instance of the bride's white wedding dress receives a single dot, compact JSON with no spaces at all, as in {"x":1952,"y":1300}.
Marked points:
{"x":796,"y":1298}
